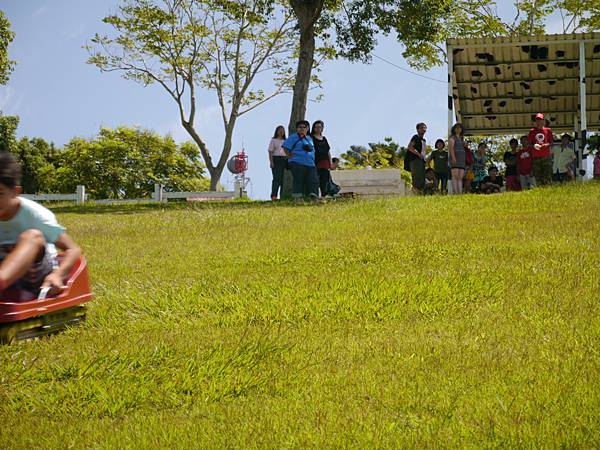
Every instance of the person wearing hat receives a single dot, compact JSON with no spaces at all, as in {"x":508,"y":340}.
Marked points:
{"x":541,"y":138}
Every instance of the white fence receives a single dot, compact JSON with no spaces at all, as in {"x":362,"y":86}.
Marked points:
{"x":160,"y":195}
{"x":370,"y":182}
{"x":78,"y":197}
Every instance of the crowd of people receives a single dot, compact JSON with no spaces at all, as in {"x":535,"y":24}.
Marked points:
{"x":531,"y":161}
{"x":307,"y":154}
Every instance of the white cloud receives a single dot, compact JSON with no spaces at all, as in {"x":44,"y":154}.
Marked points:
{"x":40,"y":11}
{"x":5,"y":98}
{"x":75,"y":33}
{"x":9,"y":104}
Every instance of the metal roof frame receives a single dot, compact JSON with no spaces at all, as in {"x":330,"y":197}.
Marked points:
{"x":506,"y":74}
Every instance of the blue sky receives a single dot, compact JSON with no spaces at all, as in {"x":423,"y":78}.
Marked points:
{"x":58,"y":96}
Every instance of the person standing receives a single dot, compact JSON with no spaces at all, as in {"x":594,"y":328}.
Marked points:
{"x":469,"y":173}
{"x":441,"y":167}
{"x":456,"y":148}
{"x":524,"y":163}
{"x":480,"y":160}
{"x":563,"y":158}
{"x":322,"y":155}
{"x":541,"y":138}
{"x":277,"y":160}
{"x":300,"y":151}
{"x":510,"y":159}
{"x":415,"y":155}
{"x":597,"y":166}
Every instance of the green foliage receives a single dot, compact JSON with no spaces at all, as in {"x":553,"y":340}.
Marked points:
{"x":38,"y":160}
{"x":186,"y":45}
{"x":422,"y":26}
{"x":6,"y":37}
{"x":380,"y":155}
{"x":126,"y":163}
{"x":392,"y":323}
{"x":8,"y":133}
{"x":496,"y":146}
{"x":594,"y":143}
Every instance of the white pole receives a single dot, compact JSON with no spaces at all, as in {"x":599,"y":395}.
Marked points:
{"x":80,"y":194}
{"x":582,"y":111}
{"x":450,"y":53}
{"x":158,"y":192}
{"x":450,"y":81}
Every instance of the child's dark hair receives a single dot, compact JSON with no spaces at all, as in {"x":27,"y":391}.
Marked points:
{"x":514,"y":140}
{"x":335,"y":160}
{"x":429,"y":170}
{"x":10,"y":170}
{"x":438,"y":141}
{"x":302,"y":122}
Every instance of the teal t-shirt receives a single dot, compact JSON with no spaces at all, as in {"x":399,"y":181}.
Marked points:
{"x":30,"y":216}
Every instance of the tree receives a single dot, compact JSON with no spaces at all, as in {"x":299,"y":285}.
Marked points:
{"x":37,"y":158}
{"x":6,"y":37}
{"x":8,"y":133}
{"x":355,"y":25}
{"x":126,"y":163}
{"x":186,"y":45}
{"x":480,"y":18}
{"x":420,"y":26}
{"x":380,"y":155}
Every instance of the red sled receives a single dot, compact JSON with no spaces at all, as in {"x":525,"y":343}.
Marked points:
{"x":33,"y":318}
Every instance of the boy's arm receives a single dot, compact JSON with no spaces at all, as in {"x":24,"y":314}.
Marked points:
{"x":72,"y":252}
{"x":411,"y":148}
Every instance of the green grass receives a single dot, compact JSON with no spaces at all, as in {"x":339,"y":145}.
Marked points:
{"x":413,"y":322}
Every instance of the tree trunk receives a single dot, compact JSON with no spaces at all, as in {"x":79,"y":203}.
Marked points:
{"x":215,"y":176}
{"x":307,"y":13}
{"x":216,"y":172}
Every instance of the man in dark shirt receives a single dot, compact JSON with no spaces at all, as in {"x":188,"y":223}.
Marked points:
{"x":415,"y":156}
{"x":510,"y":159}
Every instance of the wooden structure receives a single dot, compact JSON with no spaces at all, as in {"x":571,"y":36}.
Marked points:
{"x":370,"y":182}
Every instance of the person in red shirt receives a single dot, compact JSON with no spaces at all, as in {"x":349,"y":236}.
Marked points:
{"x":541,"y":138}
{"x":524,"y":163}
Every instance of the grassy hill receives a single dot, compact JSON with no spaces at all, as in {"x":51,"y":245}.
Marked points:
{"x":412,"y":322}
